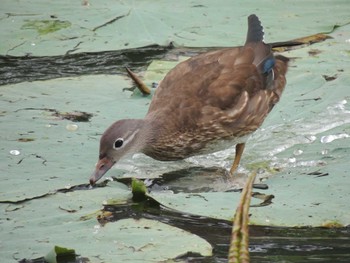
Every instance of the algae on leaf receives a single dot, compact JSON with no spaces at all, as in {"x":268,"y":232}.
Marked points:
{"x":44,"y":27}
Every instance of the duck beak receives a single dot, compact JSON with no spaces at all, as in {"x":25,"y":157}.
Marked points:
{"x":102,"y":167}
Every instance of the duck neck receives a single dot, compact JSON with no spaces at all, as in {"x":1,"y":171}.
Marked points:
{"x":144,"y":135}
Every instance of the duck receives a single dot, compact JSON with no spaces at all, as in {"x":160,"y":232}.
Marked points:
{"x":207,"y":103}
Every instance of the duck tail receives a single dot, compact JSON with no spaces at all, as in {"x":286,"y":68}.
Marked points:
{"x":255,"y":30}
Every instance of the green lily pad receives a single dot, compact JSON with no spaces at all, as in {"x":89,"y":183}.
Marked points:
{"x":112,"y":25}
{"x":60,"y":220}
{"x":305,"y":138}
{"x":290,"y":139}
{"x":143,"y":237}
{"x":41,"y":165}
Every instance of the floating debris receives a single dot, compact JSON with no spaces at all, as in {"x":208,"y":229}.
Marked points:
{"x":311,"y":138}
{"x":330,"y":78}
{"x":25,"y":139}
{"x":299,"y":42}
{"x":139,"y":83}
{"x":330,"y":138}
{"x":76,"y":116}
{"x":15,"y":152}
{"x":261,"y":186}
{"x":292,"y":160}
{"x":314,"y":52}
{"x":72,"y":127}
{"x":324,"y":152}
{"x":298,"y":152}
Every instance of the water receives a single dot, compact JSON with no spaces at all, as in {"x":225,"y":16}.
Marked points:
{"x":30,"y":68}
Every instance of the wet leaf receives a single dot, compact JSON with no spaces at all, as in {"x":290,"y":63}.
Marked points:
{"x":59,"y":254}
{"x":117,"y":26}
{"x":311,"y":108}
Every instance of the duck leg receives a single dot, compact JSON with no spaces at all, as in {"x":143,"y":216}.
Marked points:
{"x":238,"y":155}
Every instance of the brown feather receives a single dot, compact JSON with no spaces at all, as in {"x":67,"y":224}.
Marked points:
{"x":219,"y":95}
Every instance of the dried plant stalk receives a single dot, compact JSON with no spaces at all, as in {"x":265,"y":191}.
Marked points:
{"x":239,"y":247}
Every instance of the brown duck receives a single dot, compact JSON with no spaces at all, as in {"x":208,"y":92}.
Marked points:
{"x":205,"y":104}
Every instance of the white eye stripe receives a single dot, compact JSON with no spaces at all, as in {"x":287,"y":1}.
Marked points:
{"x":131,"y":137}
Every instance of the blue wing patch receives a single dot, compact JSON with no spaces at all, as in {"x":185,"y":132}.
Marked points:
{"x":268,"y":65}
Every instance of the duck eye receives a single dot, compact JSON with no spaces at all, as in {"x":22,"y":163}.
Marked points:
{"x":118,"y":143}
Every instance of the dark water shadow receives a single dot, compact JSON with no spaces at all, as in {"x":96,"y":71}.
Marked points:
{"x":15,"y":69}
